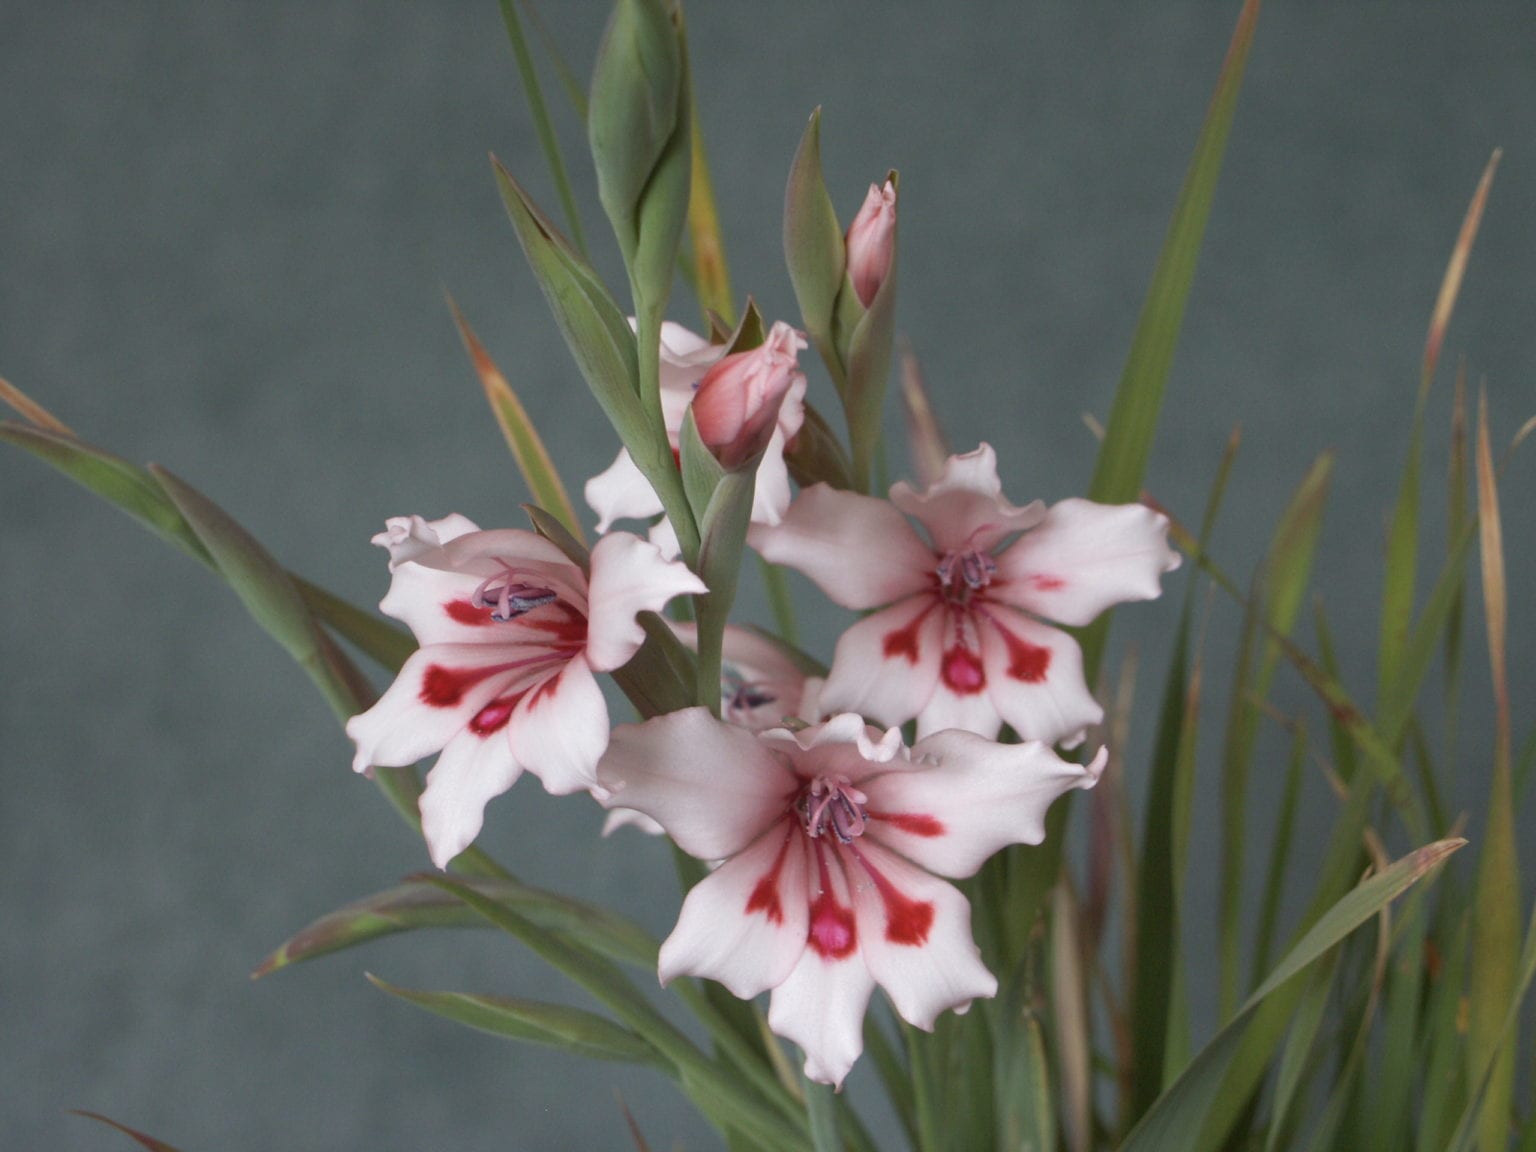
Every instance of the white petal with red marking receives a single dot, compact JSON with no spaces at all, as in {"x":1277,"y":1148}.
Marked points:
{"x":1083,"y":558}
{"x":1035,"y":678}
{"x":964,"y":508}
{"x":886,"y":665}
{"x":745,"y":923}
{"x":472,"y":770}
{"x":915,"y":932}
{"x":438,"y":691}
{"x":960,"y":698}
{"x":821,"y":1004}
{"x":560,"y":729}
{"x":621,"y":492}
{"x":714,"y":788}
{"x":629,"y":576}
{"x":859,"y":550}
{"x":965,"y":797}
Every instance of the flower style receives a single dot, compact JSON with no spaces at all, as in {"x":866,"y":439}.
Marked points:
{"x":737,"y":391}
{"x":831,"y":838}
{"x":511,"y":633}
{"x":958,"y":641}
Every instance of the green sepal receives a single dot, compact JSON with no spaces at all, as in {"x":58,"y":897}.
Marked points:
{"x":813,"y":249}
{"x":580,"y":1033}
{"x":816,"y":455}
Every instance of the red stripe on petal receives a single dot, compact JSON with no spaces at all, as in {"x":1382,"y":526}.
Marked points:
{"x":962,"y":672}
{"x":1047,"y":583}
{"x":563,"y":622}
{"x":463,"y":612}
{"x":913,"y":823}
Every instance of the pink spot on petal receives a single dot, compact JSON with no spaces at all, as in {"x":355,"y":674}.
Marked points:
{"x":1047,"y":583}
{"x":912,"y":823}
{"x":833,"y":934}
{"x":463,"y":612}
{"x":494,"y":716}
{"x":962,"y":672}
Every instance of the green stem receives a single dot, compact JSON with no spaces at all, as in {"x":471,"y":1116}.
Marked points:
{"x":776,"y":584}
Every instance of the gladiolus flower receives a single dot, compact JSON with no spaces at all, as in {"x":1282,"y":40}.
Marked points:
{"x":511,"y":633}
{"x":833,"y":839}
{"x":623,"y":493}
{"x":737,"y":405}
{"x":959,"y":640}
{"x":870,"y":242}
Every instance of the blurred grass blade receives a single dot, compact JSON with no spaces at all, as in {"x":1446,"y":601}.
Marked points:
{"x":542,"y":124}
{"x":1403,"y":538}
{"x":572,"y":1030}
{"x":574,"y":91}
{"x":821,"y":1111}
{"x":147,"y":1141}
{"x":1026,"y":1113}
{"x":1069,"y":1004}
{"x":30,"y":410}
{"x":1456,"y":523}
{"x":1132,"y":424}
{"x":1443,"y":1092}
{"x":1392,"y":1086}
{"x":1181,"y":1111}
{"x":533,"y":461}
{"x":1496,"y":902}
{"x":1279,"y":589}
{"x":1296,"y":1057}
{"x":417,"y":905}
{"x":1280,"y":853}
{"x":927,"y":446}
{"x":711,"y":273}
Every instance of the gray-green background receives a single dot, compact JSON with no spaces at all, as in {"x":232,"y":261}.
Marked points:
{"x":225,"y":231}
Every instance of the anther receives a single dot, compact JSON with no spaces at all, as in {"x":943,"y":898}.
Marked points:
{"x":509,"y":598}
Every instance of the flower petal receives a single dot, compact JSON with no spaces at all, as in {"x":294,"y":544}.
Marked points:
{"x":1083,"y":557}
{"x":745,"y":923}
{"x":964,"y":508}
{"x":407,"y":537}
{"x":439,"y":691}
{"x":621,"y":492}
{"x":860,"y":551}
{"x":560,"y":729}
{"x":714,"y":788}
{"x":475,"y":767}
{"x":629,"y":818}
{"x":821,"y":1005}
{"x":886,"y":665}
{"x":915,"y":933}
{"x":770,"y":496}
{"x":629,"y":576}
{"x":1035,"y":677}
{"x":970,"y":711}
{"x":964,"y":797}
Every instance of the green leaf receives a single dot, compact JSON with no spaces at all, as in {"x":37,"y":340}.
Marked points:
{"x":817,"y":455}
{"x":813,"y":249}
{"x":1182,"y":1110}
{"x":569,"y":1029}
{"x":533,"y":461}
{"x":387,"y":644}
{"x":417,"y":905}
{"x":1122,"y":460}
{"x":543,"y":126}
{"x":114,"y":479}
{"x":147,"y":1141}
{"x":1294,"y":1060}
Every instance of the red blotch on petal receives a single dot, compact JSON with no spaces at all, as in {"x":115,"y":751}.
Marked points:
{"x":962,"y":672}
{"x":1027,"y":662}
{"x":444,"y":687}
{"x":907,"y":921}
{"x":494,"y":716}
{"x":833,"y":934}
{"x":463,"y":612}
{"x":565,"y":624}
{"x":765,"y":895}
{"x":902,"y":642}
{"x":913,"y":823}
{"x":1047,"y":583}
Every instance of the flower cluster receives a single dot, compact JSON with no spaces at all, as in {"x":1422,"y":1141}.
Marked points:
{"x":833,"y":842}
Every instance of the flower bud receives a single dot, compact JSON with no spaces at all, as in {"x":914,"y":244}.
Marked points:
{"x":870,"y":240}
{"x":737,"y":405}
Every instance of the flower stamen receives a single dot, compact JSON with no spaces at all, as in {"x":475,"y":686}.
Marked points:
{"x":962,"y":573}
{"x":508,"y":597}
{"x":832,"y":802}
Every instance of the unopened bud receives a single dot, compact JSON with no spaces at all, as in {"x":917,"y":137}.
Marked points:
{"x":870,"y":240}
{"x":737,"y":405}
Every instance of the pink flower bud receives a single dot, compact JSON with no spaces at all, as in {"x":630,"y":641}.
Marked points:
{"x":870,"y":241}
{"x":737,"y":405}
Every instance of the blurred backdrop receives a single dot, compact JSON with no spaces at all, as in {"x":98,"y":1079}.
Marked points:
{"x":225,"y":234}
